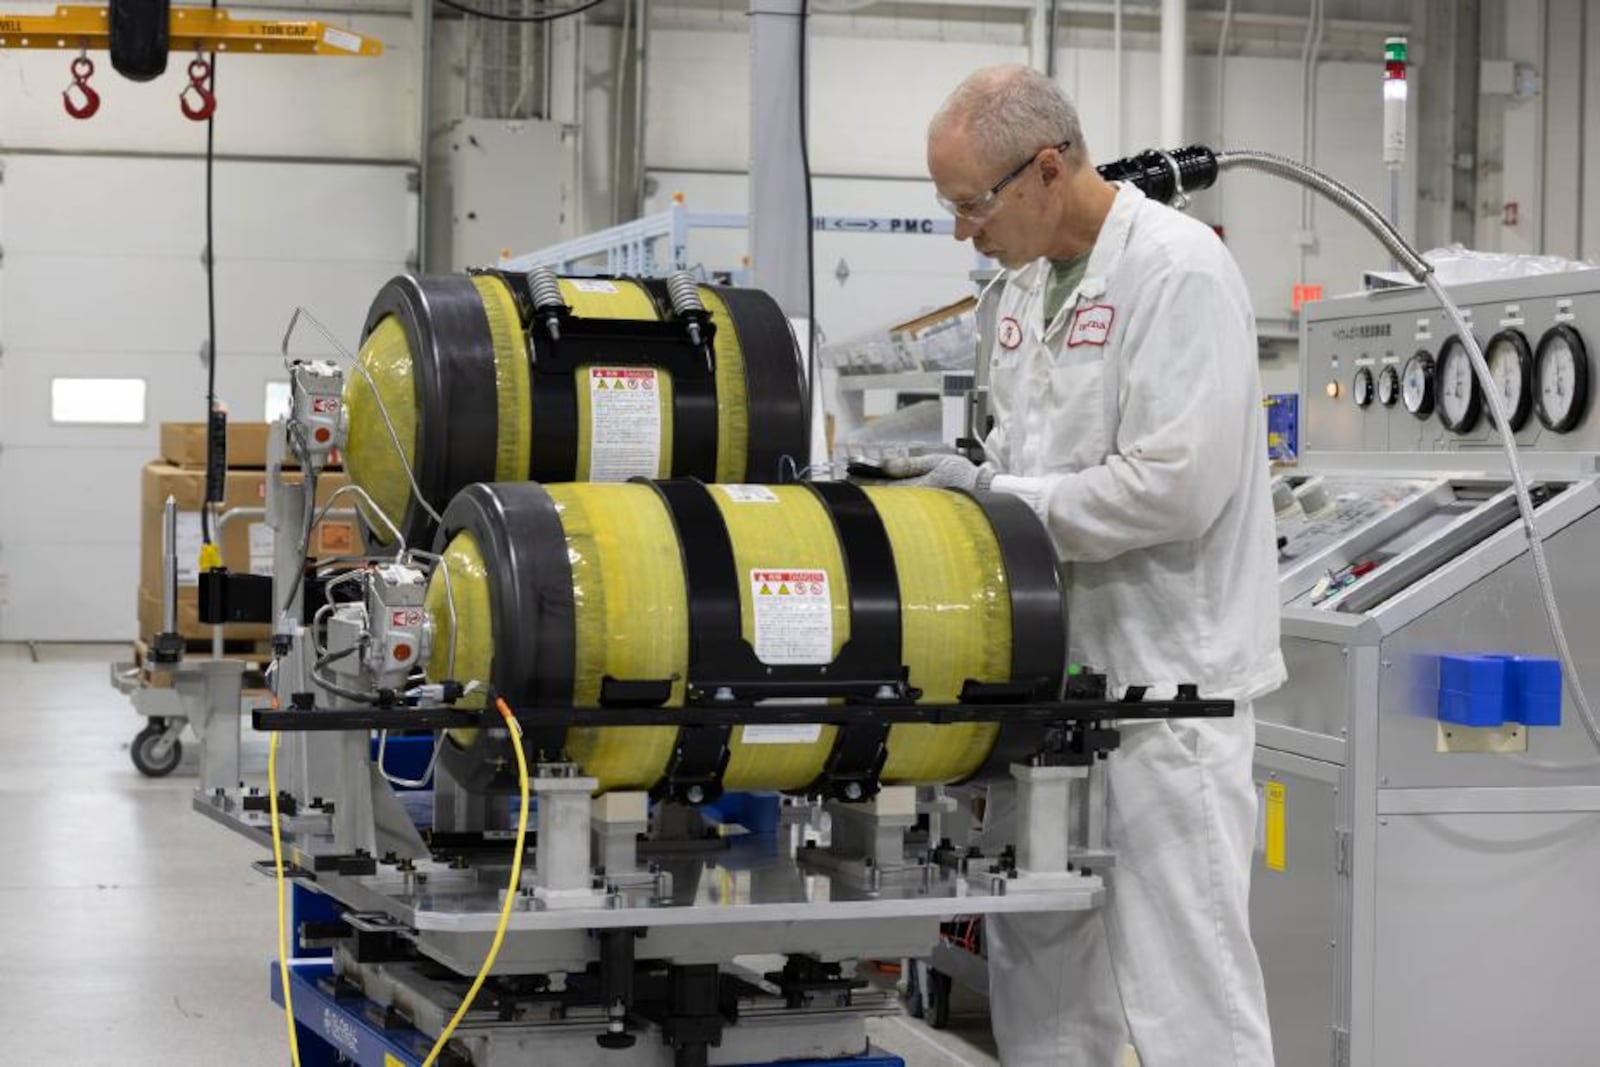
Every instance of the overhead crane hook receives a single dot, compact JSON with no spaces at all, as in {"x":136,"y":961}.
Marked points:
{"x":199,"y":86}
{"x":86,"y":101}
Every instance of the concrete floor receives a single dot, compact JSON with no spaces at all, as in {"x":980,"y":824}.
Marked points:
{"x":132,"y":931}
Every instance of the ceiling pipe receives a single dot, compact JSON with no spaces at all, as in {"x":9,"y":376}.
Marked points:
{"x":1174,"y":36}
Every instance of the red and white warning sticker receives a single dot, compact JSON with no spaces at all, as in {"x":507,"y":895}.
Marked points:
{"x":793,"y":616}
{"x":624,"y":423}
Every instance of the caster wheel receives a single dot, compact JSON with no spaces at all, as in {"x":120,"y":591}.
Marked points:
{"x":939,"y":988}
{"x":152,"y":762}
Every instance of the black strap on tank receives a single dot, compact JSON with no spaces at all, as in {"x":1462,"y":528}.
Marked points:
{"x":447,"y":330}
{"x":578,"y":341}
{"x":860,"y":749}
{"x":694,"y":774}
{"x":518,"y":530}
{"x":723,"y":667}
{"x":1038,"y":629}
{"x":774,"y":384}
{"x":694,"y":388}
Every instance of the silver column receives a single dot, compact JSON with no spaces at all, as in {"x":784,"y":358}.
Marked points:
{"x":778,"y":221}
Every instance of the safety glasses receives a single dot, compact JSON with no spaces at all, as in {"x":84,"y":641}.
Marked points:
{"x":978,"y":208}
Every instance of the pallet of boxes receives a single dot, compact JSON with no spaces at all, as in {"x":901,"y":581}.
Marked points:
{"x":242,"y":534}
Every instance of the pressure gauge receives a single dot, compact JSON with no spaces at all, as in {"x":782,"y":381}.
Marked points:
{"x":1416,"y":386}
{"x":1511,"y":366}
{"x":1561,"y":375}
{"x":1388,"y":386}
{"x":1361,"y":388}
{"x":1460,"y":401}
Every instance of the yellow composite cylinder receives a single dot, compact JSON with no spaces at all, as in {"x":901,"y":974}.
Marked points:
{"x":387,"y":380}
{"x":632,"y":620}
{"x":457,"y":601}
{"x":370,"y":454}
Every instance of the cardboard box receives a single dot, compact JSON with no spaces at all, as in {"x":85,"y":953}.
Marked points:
{"x":943,"y":339}
{"x":935,"y":320}
{"x":246,"y":543}
{"x":183,"y":444}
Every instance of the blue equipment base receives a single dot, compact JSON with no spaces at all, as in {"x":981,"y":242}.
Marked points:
{"x":332,"y":1032}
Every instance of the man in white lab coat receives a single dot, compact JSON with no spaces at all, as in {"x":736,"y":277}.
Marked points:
{"x":1127,"y":412}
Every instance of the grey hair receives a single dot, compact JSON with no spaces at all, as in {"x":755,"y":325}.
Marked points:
{"x":1010,"y":111}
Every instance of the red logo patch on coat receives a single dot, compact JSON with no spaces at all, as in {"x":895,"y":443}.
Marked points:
{"x":1010,"y":333}
{"x":1091,"y":325}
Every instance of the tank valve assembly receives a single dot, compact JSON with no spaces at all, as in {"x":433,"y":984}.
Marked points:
{"x":548,"y":303}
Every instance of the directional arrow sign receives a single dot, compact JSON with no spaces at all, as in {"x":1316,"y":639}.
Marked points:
{"x":856,"y":225}
{"x":884,"y":224}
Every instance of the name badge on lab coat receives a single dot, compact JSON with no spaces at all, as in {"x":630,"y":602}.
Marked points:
{"x":1010,"y":333}
{"x":1091,"y":325}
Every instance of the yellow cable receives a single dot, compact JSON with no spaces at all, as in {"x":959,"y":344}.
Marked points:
{"x":283,"y":909}
{"x":511,"y":888}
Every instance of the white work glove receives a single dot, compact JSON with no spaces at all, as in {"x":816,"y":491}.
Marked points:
{"x":938,"y":472}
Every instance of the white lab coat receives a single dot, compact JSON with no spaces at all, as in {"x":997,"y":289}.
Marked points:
{"x":1133,"y":425}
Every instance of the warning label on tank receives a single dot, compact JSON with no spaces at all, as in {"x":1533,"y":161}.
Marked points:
{"x":592,"y":285}
{"x":624,"y":423}
{"x":783,"y":734}
{"x":748,"y":494}
{"x":794,"y":616}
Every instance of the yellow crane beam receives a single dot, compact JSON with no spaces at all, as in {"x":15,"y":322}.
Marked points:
{"x":193,"y":29}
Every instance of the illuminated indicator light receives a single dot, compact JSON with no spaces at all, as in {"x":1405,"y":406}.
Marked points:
{"x":1394,"y":102}
{"x":1333,"y":390}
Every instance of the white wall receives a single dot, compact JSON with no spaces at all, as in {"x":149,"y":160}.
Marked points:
{"x":92,"y":289}
{"x":887,"y":278}
{"x":872,"y":97}
{"x":1539,"y":151}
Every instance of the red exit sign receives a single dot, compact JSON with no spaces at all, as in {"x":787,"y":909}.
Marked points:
{"x":1305,"y":294}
